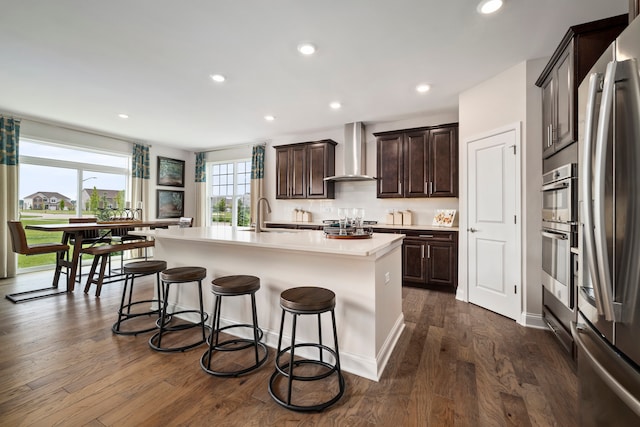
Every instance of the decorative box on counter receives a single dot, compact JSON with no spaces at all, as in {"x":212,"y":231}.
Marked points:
{"x":300,"y":215}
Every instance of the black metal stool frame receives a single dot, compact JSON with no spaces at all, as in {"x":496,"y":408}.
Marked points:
{"x":155,"y":342}
{"x":205,"y":360}
{"x":125,"y":316}
{"x":286,"y":370}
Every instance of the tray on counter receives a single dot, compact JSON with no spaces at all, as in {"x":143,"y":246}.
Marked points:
{"x":334,"y":233}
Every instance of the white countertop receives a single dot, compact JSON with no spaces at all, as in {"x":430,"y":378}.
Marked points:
{"x":297,"y":240}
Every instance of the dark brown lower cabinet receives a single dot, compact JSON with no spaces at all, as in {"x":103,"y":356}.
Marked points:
{"x":429,"y":258}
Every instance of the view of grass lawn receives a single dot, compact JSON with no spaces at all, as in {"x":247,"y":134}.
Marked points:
{"x":35,"y":237}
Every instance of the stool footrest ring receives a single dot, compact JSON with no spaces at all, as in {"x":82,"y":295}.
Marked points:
{"x":205,"y":362}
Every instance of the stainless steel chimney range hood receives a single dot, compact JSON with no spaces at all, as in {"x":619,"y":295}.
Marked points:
{"x":354,"y":155}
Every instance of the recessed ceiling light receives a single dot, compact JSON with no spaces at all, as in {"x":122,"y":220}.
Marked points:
{"x":123,"y":116}
{"x":219,"y":78}
{"x":335,"y":105}
{"x":269,"y":118}
{"x":422,"y":88}
{"x":306,"y":48}
{"x":487,"y":7}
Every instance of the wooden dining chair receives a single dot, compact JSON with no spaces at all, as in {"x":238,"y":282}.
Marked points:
{"x":20,"y":246}
{"x":89,"y":238}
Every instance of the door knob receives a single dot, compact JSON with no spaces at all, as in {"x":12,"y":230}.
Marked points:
{"x":473,"y":230}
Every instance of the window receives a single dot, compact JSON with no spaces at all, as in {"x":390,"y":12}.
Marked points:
{"x":230,"y":193}
{"x":57,"y":182}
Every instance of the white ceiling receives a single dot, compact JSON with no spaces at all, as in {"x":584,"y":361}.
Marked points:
{"x":81,"y":62}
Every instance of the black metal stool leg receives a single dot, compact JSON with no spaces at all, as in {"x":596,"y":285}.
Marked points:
{"x":202,"y":318}
{"x":133,"y":277}
{"x":320,"y":337}
{"x":255,"y":326}
{"x":126,"y":282}
{"x":164,"y":315}
{"x":292,"y":354}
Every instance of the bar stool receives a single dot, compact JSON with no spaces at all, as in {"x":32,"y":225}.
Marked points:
{"x":234,"y":286}
{"x":179,"y":275}
{"x":301,"y":301}
{"x":131,"y":271}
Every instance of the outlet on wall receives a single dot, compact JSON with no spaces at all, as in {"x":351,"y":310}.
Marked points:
{"x":387,"y":277}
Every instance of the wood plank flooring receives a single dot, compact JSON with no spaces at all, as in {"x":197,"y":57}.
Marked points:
{"x":455,"y":365}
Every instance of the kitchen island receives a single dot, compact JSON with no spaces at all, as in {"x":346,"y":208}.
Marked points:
{"x":365,"y":274}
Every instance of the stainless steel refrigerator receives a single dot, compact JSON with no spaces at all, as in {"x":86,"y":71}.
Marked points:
{"x":607,"y":332}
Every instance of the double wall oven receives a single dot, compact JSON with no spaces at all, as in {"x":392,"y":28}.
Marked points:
{"x":559,"y":249}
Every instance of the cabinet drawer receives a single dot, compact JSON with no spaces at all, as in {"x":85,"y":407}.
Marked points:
{"x":448,"y":236}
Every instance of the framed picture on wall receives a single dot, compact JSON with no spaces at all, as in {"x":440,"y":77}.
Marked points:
{"x":169,"y":203}
{"x":170,"y":172}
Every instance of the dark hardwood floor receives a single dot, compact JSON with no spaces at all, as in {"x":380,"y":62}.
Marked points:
{"x":455,"y":365}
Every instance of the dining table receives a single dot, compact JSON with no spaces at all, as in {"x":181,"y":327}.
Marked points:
{"x":76,"y":231}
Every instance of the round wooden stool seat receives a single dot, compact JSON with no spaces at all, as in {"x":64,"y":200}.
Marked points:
{"x":145,"y":267}
{"x":229,"y":286}
{"x":308,"y":299}
{"x":235,"y":285}
{"x":126,"y":312}
{"x":183,"y":274}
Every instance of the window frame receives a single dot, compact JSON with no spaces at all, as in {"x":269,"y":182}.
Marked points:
{"x":79,"y":167}
{"x":235,"y":197}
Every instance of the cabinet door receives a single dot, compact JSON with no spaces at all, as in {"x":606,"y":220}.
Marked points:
{"x":320,"y":165}
{"x":443,"y":162}
{"x":416,"y":175}
{"x":564,"y":129}
{"x":548,"y":106}
{"x":389,"y":163}
{"x":282,"y":173}
{"x":441,"y":268}
{"x":413,"y":261}
{"x":297,"y":173}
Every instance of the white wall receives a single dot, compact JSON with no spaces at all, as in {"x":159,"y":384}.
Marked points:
{"x":508,"y":98}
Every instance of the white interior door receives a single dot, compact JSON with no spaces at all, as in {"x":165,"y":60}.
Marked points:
{"x":493,"y":240}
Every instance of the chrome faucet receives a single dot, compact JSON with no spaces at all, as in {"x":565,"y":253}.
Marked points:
{"x":258,"y":221}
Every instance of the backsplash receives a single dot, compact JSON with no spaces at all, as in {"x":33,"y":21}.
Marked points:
{"x":362,"y":194}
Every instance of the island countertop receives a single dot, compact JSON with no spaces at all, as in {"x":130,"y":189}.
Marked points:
{"x":295,"y":240}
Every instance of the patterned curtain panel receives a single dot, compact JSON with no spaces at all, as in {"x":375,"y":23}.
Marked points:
{"x":257,"y":178}
{"x":200,"y":219}
{"x":140,"y":185}
{"x":9,"y":137}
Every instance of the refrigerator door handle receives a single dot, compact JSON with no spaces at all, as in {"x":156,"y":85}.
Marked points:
{"x":595,"y":81}
{"x":622,"y":393}
{"x":600,"y":233}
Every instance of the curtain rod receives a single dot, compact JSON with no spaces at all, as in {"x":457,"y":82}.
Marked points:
{"x":231,"y":147}
{"x":81,"y":130}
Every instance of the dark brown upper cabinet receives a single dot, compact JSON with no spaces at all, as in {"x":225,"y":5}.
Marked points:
{"x":421,"y":162}
{"x":301,"y":169}
{"x":580,"y":48}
